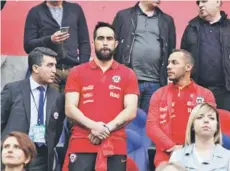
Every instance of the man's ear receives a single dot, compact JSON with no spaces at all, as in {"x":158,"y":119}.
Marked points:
{"x":188,"y":67}
{"x":35,"y":68}
{"x":116,"y":44}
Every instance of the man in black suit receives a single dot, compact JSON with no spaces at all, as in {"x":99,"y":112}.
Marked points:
{"x":33,"y":107}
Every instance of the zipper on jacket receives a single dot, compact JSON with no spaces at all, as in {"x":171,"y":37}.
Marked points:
{"x":179,"y":92}
{"x":223,"y":58}
{"x":131,"y":48}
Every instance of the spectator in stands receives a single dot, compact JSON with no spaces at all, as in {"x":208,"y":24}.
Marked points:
{"x":146,"y":37}
{"x":207,"y":37}
{"x":170,"y":167}
{"x":17,"y":151}
{"x":43,"y":28}
{"x":203,"y":149}
{"x":171,"y":105}
{"x":33,"y":107}
{"x":101,"y":101}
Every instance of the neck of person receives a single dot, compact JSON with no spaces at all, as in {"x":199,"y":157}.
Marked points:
{"x":213,"y":19}
{"x":104,"y":65}
{"x":14,"y":168}
{"x":54,"y":4}
{"x":148,"y":9}
{"x":204,"y":143}
{"x":183,"y":81}
{"x":36,"y":79}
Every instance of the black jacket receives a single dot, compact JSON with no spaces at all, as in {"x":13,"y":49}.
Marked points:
{"x":125,"y":24}
{"x":40,"y":25}
{"x":190,"y":42}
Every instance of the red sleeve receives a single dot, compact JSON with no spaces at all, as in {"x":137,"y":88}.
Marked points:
{"x":132,"y":84}
{"x":209,"y":98}
{"x":152,"y":126}
{"x":224,"y":121}
{"x":73,"y":83}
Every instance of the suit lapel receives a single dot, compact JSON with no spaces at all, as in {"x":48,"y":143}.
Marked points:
{"x":49,"y":104}
{"x":25,"y":88}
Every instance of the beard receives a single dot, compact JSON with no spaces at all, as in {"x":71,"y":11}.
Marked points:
{"x":104,"y":56}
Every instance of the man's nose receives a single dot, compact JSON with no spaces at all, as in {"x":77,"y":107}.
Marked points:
{"x":105,"y":42}
{"x":201,"y":4}
{"x":168,"y":66}
{"x":54,"y":69}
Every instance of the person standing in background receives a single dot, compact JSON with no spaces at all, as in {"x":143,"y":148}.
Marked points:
{"x":60,"y":26}
{"x":207,"y":37}
{"x":146,"y":37}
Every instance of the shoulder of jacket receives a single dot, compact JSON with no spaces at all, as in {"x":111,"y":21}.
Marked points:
{"x":194,"y":21}
{"x":125,"y":11}
{"x":162,"y":91}
{"x":72,"y":4}
{"x":37,"y":7}
{"x":166,"y":16}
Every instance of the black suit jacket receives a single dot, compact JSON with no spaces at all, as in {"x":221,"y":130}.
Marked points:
{"x":15,"y":113}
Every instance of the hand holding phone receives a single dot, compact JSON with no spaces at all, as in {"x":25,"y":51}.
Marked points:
{"x":61,"y":35}
{"x":64,"y":29}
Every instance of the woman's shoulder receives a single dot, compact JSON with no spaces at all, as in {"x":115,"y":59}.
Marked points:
{"x":180,"y":154}
{"x":221,"y":151}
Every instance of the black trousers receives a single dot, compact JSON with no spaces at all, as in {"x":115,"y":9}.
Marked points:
{"x":86,"y":162}
{"x":222,"y":96}
{"x":39,"y":163}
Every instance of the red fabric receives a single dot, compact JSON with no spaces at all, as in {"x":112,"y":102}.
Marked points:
{"x":101,"y":96}
{"x":131,"y":165}
{"x":105,"y":149}
{"x":165,"y":107}
{"x":183,"y":104}
{"x":224,"y":121}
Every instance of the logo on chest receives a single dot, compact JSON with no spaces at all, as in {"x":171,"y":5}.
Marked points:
{"x":116,"y":79}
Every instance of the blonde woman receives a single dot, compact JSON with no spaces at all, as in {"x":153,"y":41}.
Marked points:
{"x":203,"y":150}
{"x":17,"y":151}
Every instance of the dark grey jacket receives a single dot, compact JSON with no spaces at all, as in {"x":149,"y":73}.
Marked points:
{"x":40,"y":25}
{"x":15,"y":113}
{"x":125,"y":24}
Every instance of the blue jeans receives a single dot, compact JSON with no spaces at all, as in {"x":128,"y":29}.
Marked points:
{"x":146,"y":90}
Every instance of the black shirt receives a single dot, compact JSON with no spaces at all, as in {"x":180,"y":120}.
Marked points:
{"x":210,"y":56}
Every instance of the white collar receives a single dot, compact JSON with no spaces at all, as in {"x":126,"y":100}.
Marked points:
{"x":34,"y":85}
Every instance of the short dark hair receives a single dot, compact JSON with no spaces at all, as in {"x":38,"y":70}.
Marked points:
{"x":186,"y":54}
{"x":103,"y":24}
{"x":36,"y":56}
{"x":198,"y":2}
{"x":25,"y":143}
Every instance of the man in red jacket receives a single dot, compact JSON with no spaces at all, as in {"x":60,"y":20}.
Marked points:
{"x":170,"y":106}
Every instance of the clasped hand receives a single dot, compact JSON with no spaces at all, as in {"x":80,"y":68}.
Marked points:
{"x":99,"y":133}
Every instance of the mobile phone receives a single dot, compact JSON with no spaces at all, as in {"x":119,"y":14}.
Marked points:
{"x":64,"y":29}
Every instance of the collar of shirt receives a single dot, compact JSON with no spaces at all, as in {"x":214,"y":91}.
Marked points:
{"x":189,"y":85}
{"x":219,"y":22}
{"x":218,"y":151}
{"x":34,"y":85}
{"x":93,"y":65}
{"x":140,"y":12}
